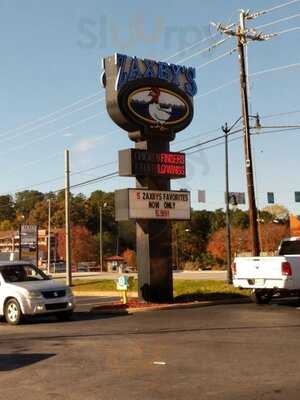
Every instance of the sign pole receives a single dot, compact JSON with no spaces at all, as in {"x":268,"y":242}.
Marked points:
{"x":20,"y":243}
{"x":154,"y":242}
{"x":67,"y":217}
{"x":37,"y":246}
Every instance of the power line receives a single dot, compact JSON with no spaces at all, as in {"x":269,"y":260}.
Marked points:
{"x":94,"y":180}
{"x":278,"y":7}
{"x":191,"y":46}
{"x":275,"y":69}
{"x":26,"y":144}
{"x":281,"y":114}
{"x":253,"y":74}
{"x":50,"y":114}
{"x":34,"y":128}
{"x":217,"y":58}
{"x":277,"y":21}
{"x":196,"y":136}
{"x":286,"y":31}
{"x":208,"y":49}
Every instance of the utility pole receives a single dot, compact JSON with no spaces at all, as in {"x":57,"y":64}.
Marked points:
{"x":49,"y":235}
{"x":228,"y":230}
{"x":242,"y":34}
{"x":67,"y":220}
{"x":241,"y":41}
{"x":100,"y":239}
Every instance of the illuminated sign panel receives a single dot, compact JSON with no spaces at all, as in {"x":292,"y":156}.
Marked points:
{"x":152,"y":204}
{"x":135,"y":162}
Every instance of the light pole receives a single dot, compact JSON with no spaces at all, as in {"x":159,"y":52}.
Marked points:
{"x":227,"y":131}
{"x":49,"y":235}
{"x":228,"y":233}
{"x":101,"y":235}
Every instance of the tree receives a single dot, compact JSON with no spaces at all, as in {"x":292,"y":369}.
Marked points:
{"x":239,"y":243}
{"x":27,"y":200}
{"x":130,"y":258}
{"x":278,"y":212}
{"x":84,"y":245}
{"x":270,"y":236}
{"x":239,"y":218}
{"x":7,"y":211}
{"x":39,"y":214}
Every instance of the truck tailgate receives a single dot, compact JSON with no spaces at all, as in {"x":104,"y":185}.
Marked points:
{"x":259,"y":267}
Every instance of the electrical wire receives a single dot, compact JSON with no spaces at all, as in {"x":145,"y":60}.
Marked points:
{"x":217,"y":58}
{"x":275,"y":69}
{"x":278,"y":7}
{"x":191,"y":46}
{"x":208,"y":49}
{"x":50,"y":114}
{"x":34,"y":128}
{"x":26,"y":144}
{"x":284,"y":19}
{"x":286,"y":31}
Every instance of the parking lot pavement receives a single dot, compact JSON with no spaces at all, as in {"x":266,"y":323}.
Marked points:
{"x":220,"y":352}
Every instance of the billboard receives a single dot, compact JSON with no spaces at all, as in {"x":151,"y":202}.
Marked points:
{"x":152,"y":204}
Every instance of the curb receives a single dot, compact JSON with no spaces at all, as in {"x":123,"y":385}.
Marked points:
{"x":100,"y":310}
{"x":91,"y":293}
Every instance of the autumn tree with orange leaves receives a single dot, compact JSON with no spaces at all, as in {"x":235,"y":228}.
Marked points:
{"x":270,"y":236}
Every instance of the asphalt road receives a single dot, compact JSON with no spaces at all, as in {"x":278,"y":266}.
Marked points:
{"x":206,"y":275}
{"x":220,"y":352}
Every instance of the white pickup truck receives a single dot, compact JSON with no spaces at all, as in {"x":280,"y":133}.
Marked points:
{"x":269,"y":276}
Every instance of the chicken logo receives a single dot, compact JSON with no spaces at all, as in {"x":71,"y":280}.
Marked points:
{"x":160,"y":113}
{"x":158,"y":107}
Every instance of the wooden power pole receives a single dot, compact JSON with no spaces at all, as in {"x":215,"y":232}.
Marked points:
{"x":241,"y":40}
{"x":242,"y":36}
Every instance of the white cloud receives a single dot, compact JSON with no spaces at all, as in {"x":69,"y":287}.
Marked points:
{"x":85,"y":145}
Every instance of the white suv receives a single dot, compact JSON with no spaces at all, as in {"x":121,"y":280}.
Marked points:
{"x":26,"y":290}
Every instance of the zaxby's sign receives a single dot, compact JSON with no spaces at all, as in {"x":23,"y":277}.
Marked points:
{"x":152,"y":204}
{"x":145,"y":95}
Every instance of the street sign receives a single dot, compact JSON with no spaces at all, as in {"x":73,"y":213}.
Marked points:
{"x":271,"y":198}
{"x":152,"y":204}
{"x":135,"y":162}
{"x":236,"y":198}
{"x":201,"y":196}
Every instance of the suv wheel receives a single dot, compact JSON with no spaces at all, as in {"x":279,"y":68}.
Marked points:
{"x":12,"y":312}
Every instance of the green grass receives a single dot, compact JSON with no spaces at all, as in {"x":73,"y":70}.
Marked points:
{"x":206,"y":290}
{"x":87,"y":285}
{"x":184,"y":290}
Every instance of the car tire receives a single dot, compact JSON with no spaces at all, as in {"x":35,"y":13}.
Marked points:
{"x":262,"y":296}
{"x":64,"y":316}
{"x":12,"y":312}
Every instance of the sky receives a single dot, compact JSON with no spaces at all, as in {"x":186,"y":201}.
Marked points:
{"x":51,"y":96}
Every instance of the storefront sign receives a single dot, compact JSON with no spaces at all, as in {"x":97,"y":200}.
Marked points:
{"x":135,"y":162}
{"x":145,"y":94}
{"x":152,"y":204}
